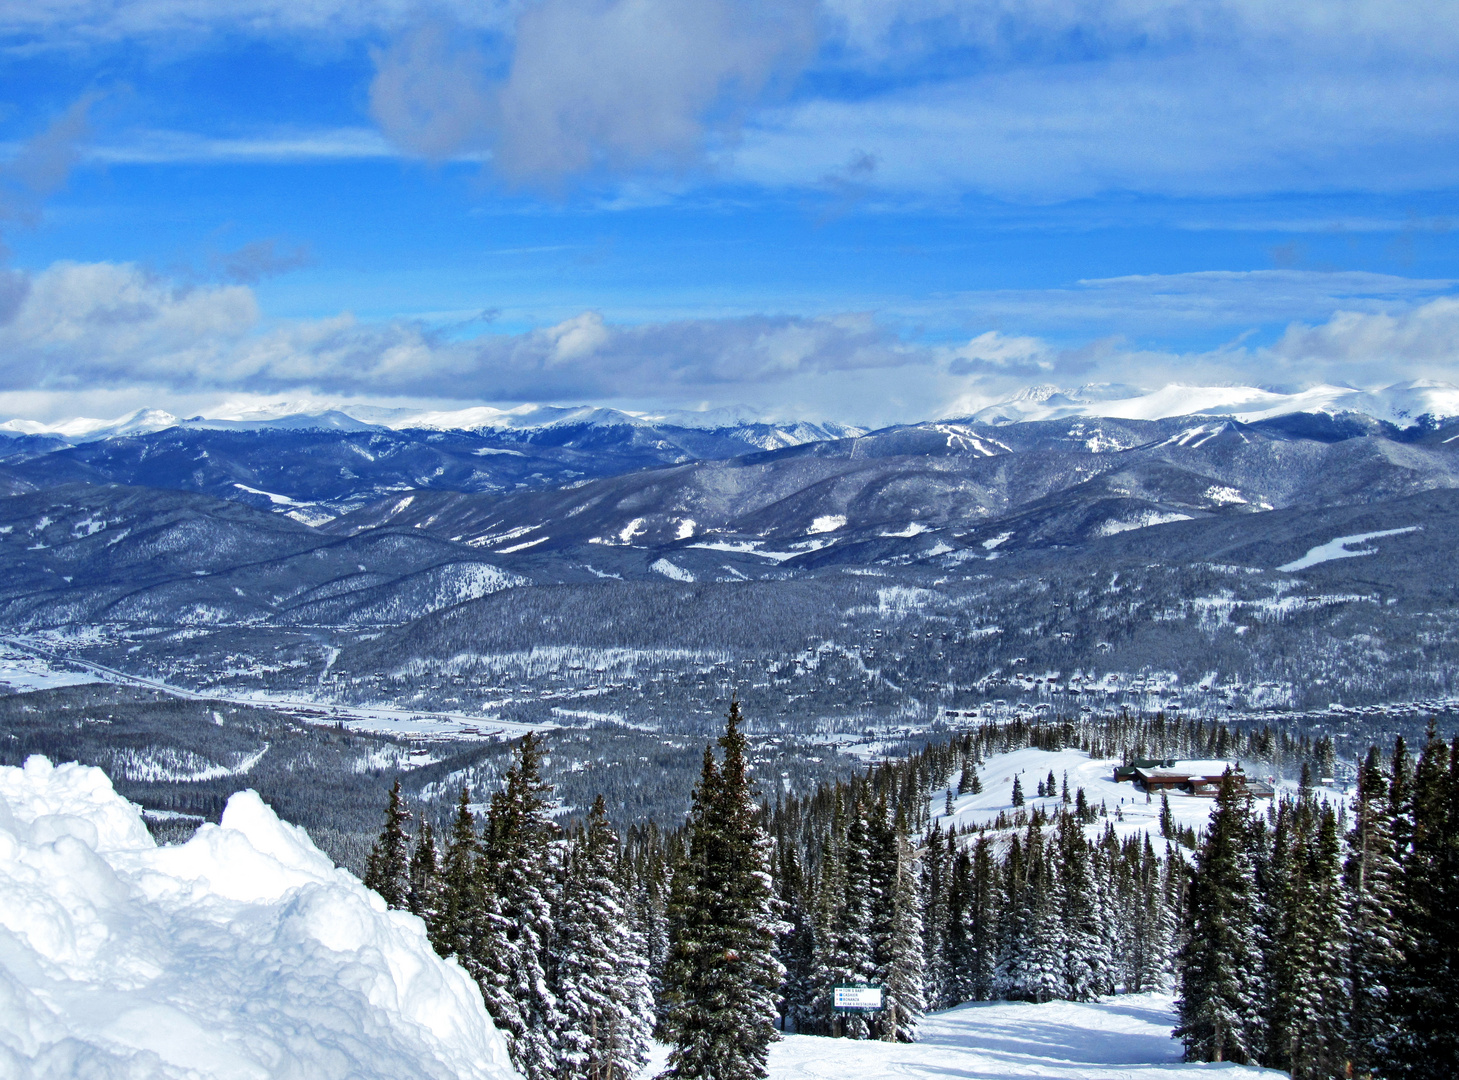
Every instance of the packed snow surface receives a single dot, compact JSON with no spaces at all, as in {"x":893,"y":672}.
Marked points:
{"x":241,"y":955}
{"x":1120,"y":1038}
{"x":1338,"y":549}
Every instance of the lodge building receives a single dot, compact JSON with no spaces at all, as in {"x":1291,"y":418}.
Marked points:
{"x":1189,"y":777}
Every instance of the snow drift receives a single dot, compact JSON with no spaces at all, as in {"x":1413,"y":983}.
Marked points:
{"x":241,"y":955}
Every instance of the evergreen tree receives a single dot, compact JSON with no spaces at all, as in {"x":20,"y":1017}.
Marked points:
{"x":1086,"y":960}
{"x":386,"y":869}
{"x":982,"y":915}
{"x":1221,"y":976}
{"x":518,"y":870}
{"x":797,"y":946}
{"x":723,"y":973}
{"x":968,"y":782}
{"x":1372,"y":877}
{"x":421,"y":894}
{"x":601,"y":970}
{"x":901,"y":975}
{"x":1425,"y":992}
{"x":1018,"y":799}
{"x":456,"y":927}
{"x":937,"y":978}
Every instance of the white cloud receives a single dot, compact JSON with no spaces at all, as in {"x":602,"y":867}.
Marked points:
{"x":102,"y":323}
{"x":1424,"y":339}
{"x":591,"y":85}
{"x":102,"y":331}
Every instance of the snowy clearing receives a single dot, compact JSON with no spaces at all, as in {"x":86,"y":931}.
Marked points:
{"x":21,"y":671}
{"x":242,"y":954}
{"x":1338,"y":549}
{"x":1129,"y":812}
{"x":1120,"y":1038}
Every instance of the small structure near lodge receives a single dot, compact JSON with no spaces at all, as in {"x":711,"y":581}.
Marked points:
{"x":1201,"y":778}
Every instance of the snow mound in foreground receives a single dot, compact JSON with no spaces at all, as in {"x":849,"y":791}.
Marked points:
{"x":241,"y":955}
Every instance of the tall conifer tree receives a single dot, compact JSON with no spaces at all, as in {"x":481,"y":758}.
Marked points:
{"x":386,"y":869}
{"x":1221,"y":978}
{"x":723,"y":973}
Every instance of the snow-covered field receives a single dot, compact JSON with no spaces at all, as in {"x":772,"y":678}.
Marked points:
{"x":22,"y":671}
{"x":1122,"y":1038}
{"x":1129,"y":812}
{"x":241,"y":955}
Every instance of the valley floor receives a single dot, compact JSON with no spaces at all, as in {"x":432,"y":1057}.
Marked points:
{"x":1118,"y":1038}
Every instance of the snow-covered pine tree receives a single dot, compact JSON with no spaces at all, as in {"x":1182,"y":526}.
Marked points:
{"x":1425,"y":992}
{"x":901,"y":976}
{"x":1043,"y":977}
{"x":828,"y":916}
{"x":936,"y":976}
{"x":1221,"y":963}
{"x":983,"y":923}
{"x":1014,"y":924}
{"x":855,"y":957}
{"x":797,"y":944}
{"x":1319,"y":1016}
{"x":967,"y":781}
{"x":422,"y":885}
{"x":386,"y":868}
{"x":1086,"y":958}
{"x":959,"y":945}
{"x":460,"y":906}
{"x":883,"y":837}
{"x":1150,"y":925}
{"x":1371,"y":876}
{"x":723,"y":973}
{"x":601,"y":970}
{"x":520,"y":867}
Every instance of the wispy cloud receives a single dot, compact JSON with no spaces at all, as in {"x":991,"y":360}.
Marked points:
{"x":591,"y":86}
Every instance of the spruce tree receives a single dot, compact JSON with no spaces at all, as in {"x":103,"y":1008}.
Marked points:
{"x":423,"y":885}
{"x":1372,"y":879}
{"x":386,"y":869}
{"x":456,"y":923}
{"x":983,"y":919}
{"x":797,"y":945}
{"x":723,"y":973}
{"x":519,"y":876}
{"x":937,"y":978}
{"x":1425,"y":990}
{"x":601,"y":970}
{"x":1221,"y":976}
{"x":901,"y":976}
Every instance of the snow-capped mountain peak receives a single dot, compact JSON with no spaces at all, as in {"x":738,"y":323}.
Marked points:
{"x":1400,"y":404}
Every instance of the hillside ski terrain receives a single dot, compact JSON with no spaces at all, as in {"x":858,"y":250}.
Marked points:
{"x":1120,"y":1038}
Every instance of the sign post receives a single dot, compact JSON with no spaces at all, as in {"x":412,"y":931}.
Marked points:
{"x":857,"y":997}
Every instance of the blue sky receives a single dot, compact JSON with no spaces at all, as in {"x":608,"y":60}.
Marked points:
{"x":869,"y":210}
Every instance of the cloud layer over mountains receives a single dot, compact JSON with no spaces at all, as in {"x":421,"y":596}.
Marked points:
{"x":87,"y":327}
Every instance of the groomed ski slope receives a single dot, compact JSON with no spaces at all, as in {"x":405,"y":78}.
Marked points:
{"x":240,"y":955}
{"x":1120,"y":1038}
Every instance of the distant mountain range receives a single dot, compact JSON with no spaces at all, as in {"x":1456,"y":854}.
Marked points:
{"x":1402,"y":404}
{"x":1305,"y":553}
